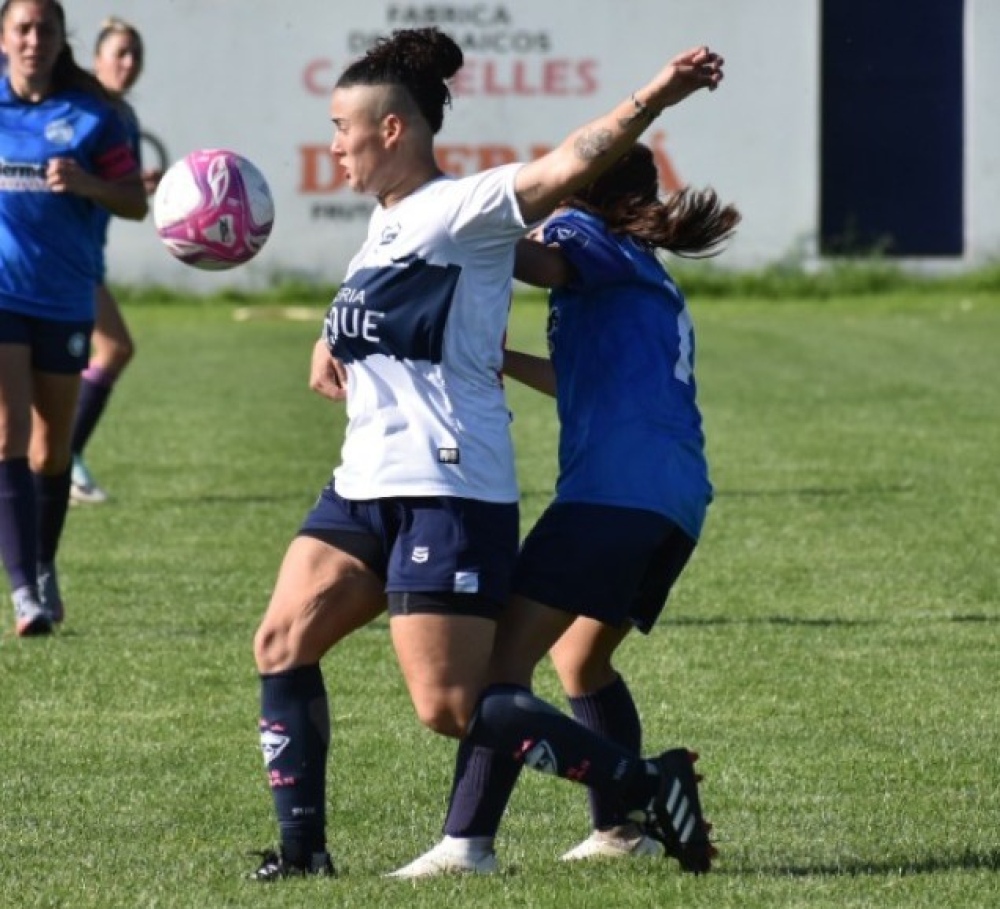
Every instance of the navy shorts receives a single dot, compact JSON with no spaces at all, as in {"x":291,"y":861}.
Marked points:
{"x":59,"y":347}
{"x":615,"y":565}
{"x":436,"y":554}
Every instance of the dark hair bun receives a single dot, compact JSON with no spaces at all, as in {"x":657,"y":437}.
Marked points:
{"x":421,"y":53}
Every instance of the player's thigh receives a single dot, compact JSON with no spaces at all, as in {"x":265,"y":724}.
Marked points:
{"x":526,"y":631}
{"x":322,"y":594}
{"x":15,"y":400}
{"x":54,"y":399}
{"x":443,"y":658}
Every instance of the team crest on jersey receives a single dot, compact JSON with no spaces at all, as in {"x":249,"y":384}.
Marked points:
{"x":389,"y":233}
{"x":563,"y":233}
{"x":59,"y":132}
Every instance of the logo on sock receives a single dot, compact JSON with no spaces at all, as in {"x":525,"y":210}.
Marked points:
{"x":272,"y":744}
{"x":541,"y":758}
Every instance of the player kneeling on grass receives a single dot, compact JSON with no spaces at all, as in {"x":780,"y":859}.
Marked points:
{"x":421,"y":516}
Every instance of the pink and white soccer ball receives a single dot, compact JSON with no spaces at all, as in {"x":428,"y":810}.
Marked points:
{"x":213,"y":209}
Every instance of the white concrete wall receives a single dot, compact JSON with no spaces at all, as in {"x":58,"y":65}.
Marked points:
{"x":255,"y":76}
{"x":982,"y":129}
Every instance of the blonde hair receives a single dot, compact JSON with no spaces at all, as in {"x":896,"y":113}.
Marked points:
{"x":115,"y":26}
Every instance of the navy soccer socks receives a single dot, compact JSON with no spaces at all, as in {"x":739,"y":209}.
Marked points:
{"x":18,"y":523}
{"x":96,"y":386}
{"x":295,"y":740}
{"x":610,"y":711}
{"x":52,"y":502}
{"x":483,"y":783}
{"x":512,"y":721}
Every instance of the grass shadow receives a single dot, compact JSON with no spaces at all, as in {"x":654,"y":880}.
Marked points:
{"x":966,"y":860}
{"x":816,"y":492}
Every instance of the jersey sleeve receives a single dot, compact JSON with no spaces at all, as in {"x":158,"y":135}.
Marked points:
{"x":596,"y":258}
{"x":113,"y":157}
{"x":484,"y":207}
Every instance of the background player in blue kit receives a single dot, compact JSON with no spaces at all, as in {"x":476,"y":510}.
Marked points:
{"x":421,"y":517}
{"x":118,"y":60}
{"x":64,"y":152}
{"x":632,"y":490}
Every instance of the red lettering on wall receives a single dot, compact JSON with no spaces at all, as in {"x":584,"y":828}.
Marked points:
{"x":319,"y":173}
{"x":317,"y":77}
{"x":668,"y":176}
{"x":526,"y":77}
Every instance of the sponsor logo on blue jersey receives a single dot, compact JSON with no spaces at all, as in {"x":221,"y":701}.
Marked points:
{"x":22,"y":176}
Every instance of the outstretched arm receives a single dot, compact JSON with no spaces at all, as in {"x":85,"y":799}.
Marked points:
{"x":584,"y":154}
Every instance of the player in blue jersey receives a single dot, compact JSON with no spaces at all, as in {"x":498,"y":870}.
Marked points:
{"x":118,"y":60}
{"x":421,"y":516}
{"x":63,"y":153}
{"x":632,"y":490}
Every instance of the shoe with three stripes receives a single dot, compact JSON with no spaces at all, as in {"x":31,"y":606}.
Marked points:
{"x":274,"y":866}
{"x":675,"y":818}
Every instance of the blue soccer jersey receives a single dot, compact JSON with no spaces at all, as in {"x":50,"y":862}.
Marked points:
{"x":49,"y":248}
{"x":622,"y":345}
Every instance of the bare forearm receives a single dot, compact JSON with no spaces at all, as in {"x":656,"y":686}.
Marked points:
{"x":124,"y":198}
{"x":583,"y":155}
{"x":535,"y":372}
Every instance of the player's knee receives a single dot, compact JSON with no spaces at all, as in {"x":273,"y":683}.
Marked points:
{"x":442,"y":717}
{"x":126,"y":352}
{"x":582,"y":671}
{"x":271,"y":649}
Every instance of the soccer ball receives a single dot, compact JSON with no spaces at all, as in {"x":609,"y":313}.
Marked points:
{"x":213,"y":209}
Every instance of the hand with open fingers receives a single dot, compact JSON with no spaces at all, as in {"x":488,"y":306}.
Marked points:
{"x":686,"y":73}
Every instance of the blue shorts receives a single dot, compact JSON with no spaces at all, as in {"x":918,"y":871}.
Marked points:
{"x":58,"y":347}
{"x":435,"y":554}
{"x":615,"y":565}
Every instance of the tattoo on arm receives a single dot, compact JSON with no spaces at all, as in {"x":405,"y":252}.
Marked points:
{"x":593,"y":144}
{"x":639,"y":116}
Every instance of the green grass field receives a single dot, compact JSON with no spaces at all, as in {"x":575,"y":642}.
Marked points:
{"x":832,"y":650}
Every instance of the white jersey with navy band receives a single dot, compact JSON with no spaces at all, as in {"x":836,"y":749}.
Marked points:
{"x":622,"y":345}
{"x":48,"y":245}
{"x":419,"y":324}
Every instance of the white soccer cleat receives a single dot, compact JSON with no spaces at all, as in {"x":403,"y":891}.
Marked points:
{"x":450,"y":856}
{"x":83,"y":487}
{"x":627,"y":841}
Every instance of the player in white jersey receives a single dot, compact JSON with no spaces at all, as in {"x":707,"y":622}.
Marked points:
{"x":632,"y":492}
{"x":420,"y":517}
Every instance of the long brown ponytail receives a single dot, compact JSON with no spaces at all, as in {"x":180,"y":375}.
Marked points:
{"x":690,"y":222}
